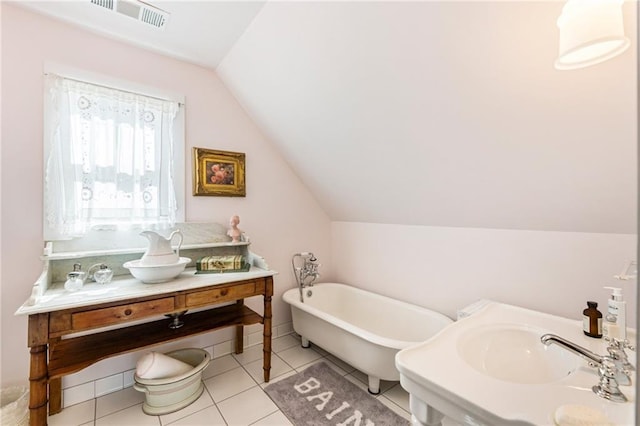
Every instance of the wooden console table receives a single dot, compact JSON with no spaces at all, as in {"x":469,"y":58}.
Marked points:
{"x":55,"y":352}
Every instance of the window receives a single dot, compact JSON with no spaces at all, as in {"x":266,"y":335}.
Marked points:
{"x":109,"y":158}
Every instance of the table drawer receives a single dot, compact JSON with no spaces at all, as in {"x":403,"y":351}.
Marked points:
{"x":118,"y":314}
{"x":224,"y":294}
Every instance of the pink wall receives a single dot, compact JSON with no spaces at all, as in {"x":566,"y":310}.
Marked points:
{"x":441,"y":268}
{"x":279,"y":213}
{"x":446,"y":268}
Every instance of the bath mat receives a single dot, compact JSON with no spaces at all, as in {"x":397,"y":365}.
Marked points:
{"x":319,"y":396}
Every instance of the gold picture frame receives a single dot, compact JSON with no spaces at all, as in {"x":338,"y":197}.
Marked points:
{"x":218,"y":173}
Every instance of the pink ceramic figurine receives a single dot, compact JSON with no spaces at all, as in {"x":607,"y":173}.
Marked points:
{"x":235,"y":233}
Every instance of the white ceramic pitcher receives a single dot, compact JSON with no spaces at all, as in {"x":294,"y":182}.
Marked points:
{"x":159,"y":251}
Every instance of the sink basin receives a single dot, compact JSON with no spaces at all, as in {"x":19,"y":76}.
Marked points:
{"x":514,"y":353}
{"x":153,"y":274}
{"x":491,"y":368}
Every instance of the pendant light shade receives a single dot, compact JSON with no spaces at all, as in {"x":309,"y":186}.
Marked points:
{"x":591,"y":31}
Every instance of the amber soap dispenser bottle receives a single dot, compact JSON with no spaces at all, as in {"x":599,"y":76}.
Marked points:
{"x":592,"y":320}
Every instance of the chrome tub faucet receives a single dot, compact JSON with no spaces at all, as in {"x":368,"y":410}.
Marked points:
{"x":305,"y":270}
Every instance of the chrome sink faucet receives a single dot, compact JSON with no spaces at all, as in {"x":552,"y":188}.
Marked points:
{"x":616,"y":349}
{"x":610,"y":369}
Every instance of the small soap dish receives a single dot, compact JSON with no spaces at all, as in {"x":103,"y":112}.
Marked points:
{"x":580,"y":415}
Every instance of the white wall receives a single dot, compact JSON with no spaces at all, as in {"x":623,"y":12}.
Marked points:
{"x":448,"y":268}
{"x":443,"y":113}
{"x":279,"y":214}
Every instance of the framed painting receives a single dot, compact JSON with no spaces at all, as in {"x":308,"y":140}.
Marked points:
{"x":218,"y":173}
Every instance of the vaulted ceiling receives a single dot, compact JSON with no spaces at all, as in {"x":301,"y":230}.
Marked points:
{"x":440,"y":113}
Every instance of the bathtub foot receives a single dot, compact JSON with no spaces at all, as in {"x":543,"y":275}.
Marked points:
{"x":374,"y":385}
{"x":305,"y":342}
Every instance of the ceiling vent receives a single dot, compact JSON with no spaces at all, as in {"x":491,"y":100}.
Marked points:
{"x":138,"y":10}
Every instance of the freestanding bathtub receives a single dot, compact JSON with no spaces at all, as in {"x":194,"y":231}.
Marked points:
{"x":362,"y":328}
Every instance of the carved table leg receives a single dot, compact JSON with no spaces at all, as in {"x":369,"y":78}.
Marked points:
{"x":37,"y":338}
{"x":266,"y":344}
{"x":38,"y":386}
{"x":55,"y":386}
{"x":239,"y":330}
{"x":55,"y":395}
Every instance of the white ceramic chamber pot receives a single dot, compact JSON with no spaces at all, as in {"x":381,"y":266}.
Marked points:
{"x":154,"y":365}
{"x":179,"y":389}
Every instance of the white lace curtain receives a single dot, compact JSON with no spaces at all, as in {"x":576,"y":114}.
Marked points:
{"x":110,"y":158}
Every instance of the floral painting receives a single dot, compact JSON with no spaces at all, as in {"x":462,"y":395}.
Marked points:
{"x":220,"y":173}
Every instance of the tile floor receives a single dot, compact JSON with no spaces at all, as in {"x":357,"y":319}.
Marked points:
{"x":233,"y":393}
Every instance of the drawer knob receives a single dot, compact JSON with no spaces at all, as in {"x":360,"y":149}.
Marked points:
{"x":127,"y":312}
{"x":224,"y":292}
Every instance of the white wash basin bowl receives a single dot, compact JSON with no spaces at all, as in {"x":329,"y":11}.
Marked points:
{"x":492,"y":369}
{"x":513,"y":353}
{"x":153,"y":274}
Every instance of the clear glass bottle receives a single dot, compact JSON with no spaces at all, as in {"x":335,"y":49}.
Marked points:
{"x":592,"y":320}
{"x":74,"y":281}
{"x":77,"y":268}
{"x":103,"y":275}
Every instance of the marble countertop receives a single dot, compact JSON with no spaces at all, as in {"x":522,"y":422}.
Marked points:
{"x":124,"y":287}
{"x":49,"y":255}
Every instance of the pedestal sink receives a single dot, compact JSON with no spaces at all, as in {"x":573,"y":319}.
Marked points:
{"x":492,"y":369}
